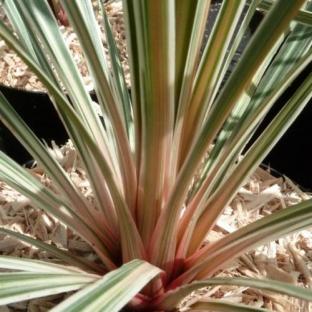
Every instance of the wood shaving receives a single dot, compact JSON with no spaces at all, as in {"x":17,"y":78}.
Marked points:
{"x":287,"y":259}
{"x":14,"y":73}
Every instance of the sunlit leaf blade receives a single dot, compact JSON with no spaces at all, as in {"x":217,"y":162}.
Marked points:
{"x":172,"y":298}
{"x":113,"y":291}
{"x":63,"y":255}
{"x":118,"y":77}
{"x":191,"y":21}
{"x":185,"y":12}
{"x":65,"y":186}
{"x":155,"y":38}
{"x":45,"y":26}
{"x":41,"y":19}
{"x":303,"y":16}
{"x":26,"y":36}
{"x":19,"y":26}
{"x":20,"y":179}
{"x":15,"y":287}
{"x":253,"y":157}
{"x":232,"y":149}
{"x":209,"y":71}
{"x":295,"y":47}
{"x":191,"y":18}
{"x":210,"y":258}
{"x":73,"y":124}
{"x":234,"y":46}
{"x":95,"y":55}
{"x":223,"y":306}
{"x":36,"y":266}
{"x":133,"y":61}
{"x":130,"y":240}
{"x":165,"y":235}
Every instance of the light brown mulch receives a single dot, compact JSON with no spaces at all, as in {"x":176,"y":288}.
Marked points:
{"x":287,"y":259}
{"x":14,"y":73}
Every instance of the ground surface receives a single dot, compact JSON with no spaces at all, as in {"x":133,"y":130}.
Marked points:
{"x":288,"y":259}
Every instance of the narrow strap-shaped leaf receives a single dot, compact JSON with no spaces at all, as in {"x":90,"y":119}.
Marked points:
{"x":65,"y":186}
{"x":295,"y":48}
{"x":209,"y":71}
{"x":191,"y":18}
{"x":214,"y":256}
{"x":103,"y":192}
{"x":155,"y":33}
{"x":172,"y":298}
{"x":165,"y":235}
{"x":18,"y":24}
{"x":234,"y":47}
{"x":190,"y":25}
{"x":130,"y":240}
{"x":45,"y":26}
{"x":113,"y":291}
{"x":296,"y":45}
{"x":95,"y":55}
{"x":223,"y":306}
{"x":303,"y":16}
{"x":133,"y":62}
{"x":118,"y":77}
{"x":251,"y":160}
{"x":232,"y":148}
{"x":15,"y":287}
{"x":20,"y":179}
{"x":36,"y":266}
{"x":41,"y":19}
{"x":225,"y":66}
{"x":185,"y":12}
{"x":26,"y":36}
{"x":63,"y":255}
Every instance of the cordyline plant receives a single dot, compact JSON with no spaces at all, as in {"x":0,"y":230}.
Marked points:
{"x":143,"y":150}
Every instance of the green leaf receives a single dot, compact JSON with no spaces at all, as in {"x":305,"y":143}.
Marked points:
{"x":214,"y":256}
{"x":133,"y":61}
{"x":65,"y":186}
{"x":303,"y":16}
{"x":20,"y":179}
{"x":90,"y":40}
{"x":113,"y":291}
{"x":255,"y":103}
{"x":96,"y":166}
{"x":26,"y":36}
{"x":165,"y":235}
{"x":209,"y":71}
{"x":231,"y":150}
{"x":191,"y":19}
{"x":63,"y":255}
{"x":155,"y":34}
{"x":45,"y":26}
{"x":253,"y":157}
{"x":118,"y":77}
{"x":36,"y":266}
{"x":15,"y":287}
{"x":173,"y":297}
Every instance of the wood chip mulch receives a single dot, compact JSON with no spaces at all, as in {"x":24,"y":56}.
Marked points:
{"x":287,"y":259}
